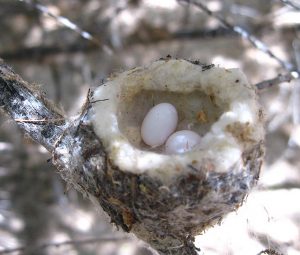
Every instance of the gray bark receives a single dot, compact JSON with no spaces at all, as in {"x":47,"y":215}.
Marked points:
{"x":31,"y":111}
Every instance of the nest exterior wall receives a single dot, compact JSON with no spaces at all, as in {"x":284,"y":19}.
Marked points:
{"x":164,"y":216}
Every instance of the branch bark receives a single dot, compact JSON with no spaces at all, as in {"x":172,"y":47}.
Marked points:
{"x":31,"y":111}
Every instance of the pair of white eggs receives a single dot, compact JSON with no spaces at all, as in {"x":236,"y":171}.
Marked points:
{"x":158,"y":128}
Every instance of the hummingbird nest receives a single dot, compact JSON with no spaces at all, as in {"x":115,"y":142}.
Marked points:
{"x":166,"y":199}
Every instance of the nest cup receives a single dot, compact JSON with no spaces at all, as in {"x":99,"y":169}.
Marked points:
{"x":167,"y":199}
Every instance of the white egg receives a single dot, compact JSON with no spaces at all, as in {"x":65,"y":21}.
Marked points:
{"x":159,"y":123}
{"x":182,"y":141}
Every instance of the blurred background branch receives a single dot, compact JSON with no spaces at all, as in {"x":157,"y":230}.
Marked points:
{"x":291,"y":4}
{"x":69,"y":24}
{"x":245,"y":34}
{"x":59,"y":244}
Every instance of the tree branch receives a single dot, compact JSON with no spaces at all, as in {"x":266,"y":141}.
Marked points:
{"x":33,"y":113}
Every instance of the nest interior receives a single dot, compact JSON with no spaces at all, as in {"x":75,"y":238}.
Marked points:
{"x":197,"y":111}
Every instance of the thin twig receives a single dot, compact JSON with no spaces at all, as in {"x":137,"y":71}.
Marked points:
{"x":243,"y":33}
{"x":59,"y":244}
{"x":291,"y":4}
{"x":99,"y":100}
{"x":41,"y":121}
{"x":69,"y":24}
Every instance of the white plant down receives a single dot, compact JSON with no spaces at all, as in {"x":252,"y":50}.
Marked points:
{"x":224,"y":136}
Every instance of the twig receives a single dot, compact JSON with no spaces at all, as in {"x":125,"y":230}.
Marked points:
{"x":69,"y":24}
{"x":58,"y":244}
{"x":291,"y":4}
{"x":243,"y":33}
{"x":99,"y":100}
